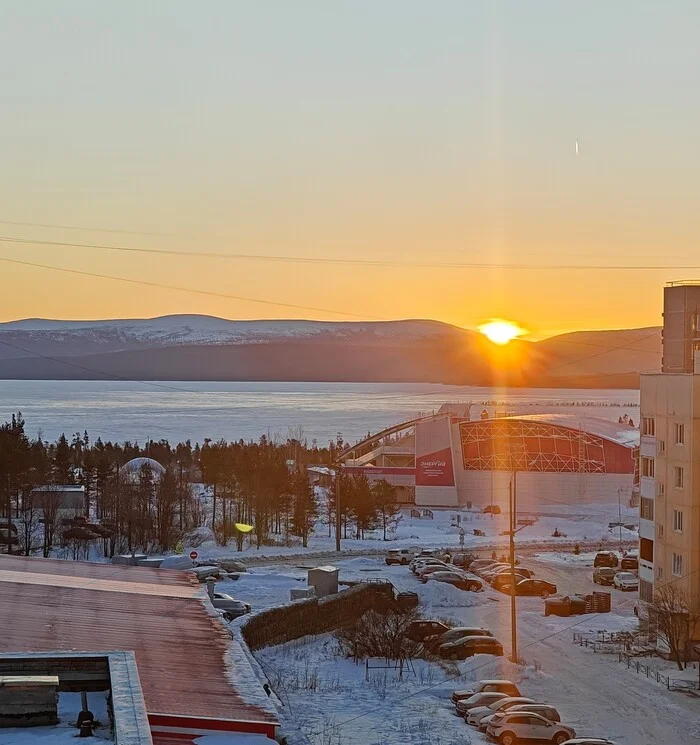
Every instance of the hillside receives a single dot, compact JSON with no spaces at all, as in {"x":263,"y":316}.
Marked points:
{"x":207,"y":348}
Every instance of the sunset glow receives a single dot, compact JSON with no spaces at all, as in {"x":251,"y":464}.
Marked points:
{"x":501,"y":332}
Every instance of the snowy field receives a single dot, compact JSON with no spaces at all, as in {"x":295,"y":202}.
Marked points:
{"x":329,"y":700}
{"x":588,"y":525}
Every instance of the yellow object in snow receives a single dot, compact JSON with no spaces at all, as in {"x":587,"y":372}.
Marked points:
{"x":243,"y":528}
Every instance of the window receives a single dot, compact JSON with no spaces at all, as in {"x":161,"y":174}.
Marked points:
{"x":648,"y":426}
{"x":659,"y":530}
{"x":646,"y":509}
{"x":646,"y":549}
{"x":660,"y":573}
{"x":646,"y":591}
{"x":680,"y":433}
{"x":678,"y":477}
{"x":678,"y":521}
{"x":661,"y":446}
{"x":660,"y":489}
{"x":677,"y":565}
{"x":647,"y":467}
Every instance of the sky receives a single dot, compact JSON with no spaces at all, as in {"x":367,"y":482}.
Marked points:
{"x":400,"y":131}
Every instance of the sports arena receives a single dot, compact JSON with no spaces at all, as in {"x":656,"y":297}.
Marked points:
{"x":448,"y":460}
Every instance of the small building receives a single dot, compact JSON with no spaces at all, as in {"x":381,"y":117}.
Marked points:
{"x":324,"y":580}
{"x":61,"y":500}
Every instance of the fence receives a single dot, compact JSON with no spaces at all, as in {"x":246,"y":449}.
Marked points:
{"x":654,"y":674}
{"x":604,"y":641}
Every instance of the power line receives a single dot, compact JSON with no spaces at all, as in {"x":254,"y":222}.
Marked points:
{"x":81,"y":228}
{"x":210,"y":293}
{"x":357,"y":262}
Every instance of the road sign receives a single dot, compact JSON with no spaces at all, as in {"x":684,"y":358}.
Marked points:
{"x":193,"y":555}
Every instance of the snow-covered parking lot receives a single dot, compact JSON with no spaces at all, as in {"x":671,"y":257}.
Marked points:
{"x":334,"y":701}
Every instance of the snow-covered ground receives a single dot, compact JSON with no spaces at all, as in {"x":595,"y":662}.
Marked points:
{"x":333,"y":701}
{"x":65,"y":732}
{"x":588,"y":524}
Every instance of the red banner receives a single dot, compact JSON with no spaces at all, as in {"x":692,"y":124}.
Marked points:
{"x":435,"y":469}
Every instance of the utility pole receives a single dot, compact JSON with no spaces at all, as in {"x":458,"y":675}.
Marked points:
{"x":619,"y":518}
{"x":337,"y":508}
{"x":511,"y":532}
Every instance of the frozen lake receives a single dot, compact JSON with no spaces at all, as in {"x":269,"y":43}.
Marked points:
{"x":195,"y":410}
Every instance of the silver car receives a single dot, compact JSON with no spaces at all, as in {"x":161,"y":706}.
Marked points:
{"x":510,"y":728}
{"x":476,"y":715}
{"x":478,"y":699}
{"x":231,"y":607}
{"x":544,"y":710}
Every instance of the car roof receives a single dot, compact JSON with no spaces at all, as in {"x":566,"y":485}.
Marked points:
{"x":532,"y":713}
{"x":475,"y":640}
{"x":495,"y":680}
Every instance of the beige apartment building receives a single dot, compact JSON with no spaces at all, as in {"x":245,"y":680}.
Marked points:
{"x":669,"y":526}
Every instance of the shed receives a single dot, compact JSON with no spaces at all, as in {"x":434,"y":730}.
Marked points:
{"x":324,"y":580}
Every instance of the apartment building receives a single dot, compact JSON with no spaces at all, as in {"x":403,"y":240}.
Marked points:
{"x":669,"y":526}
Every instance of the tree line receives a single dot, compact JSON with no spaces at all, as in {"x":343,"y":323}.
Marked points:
{"x":202,"y":492}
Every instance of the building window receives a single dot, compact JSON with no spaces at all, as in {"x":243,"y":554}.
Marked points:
{"x":678,"y":521}
{"x":646,"y":549}
{"x":677,"y":565}
{"x":680,"y":433}
{"x":659,"y":530}
{"x":646,"y":509}
{"x":647,"y":467}
{"x":659,"y":573}
{"x":660,"y":489}
{"x":646,"y":591}
{"x":648,"y":426}
{"x":661,"y":446}
{"x":678,"y":477}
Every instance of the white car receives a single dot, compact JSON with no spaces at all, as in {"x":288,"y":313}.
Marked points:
{"x":626,"y":581}
{"x":231,"y":607}
{"x":424,"y":569}
{"x":510,"y":728}
{"x":476,"y":715}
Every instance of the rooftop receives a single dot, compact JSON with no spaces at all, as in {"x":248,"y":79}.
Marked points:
{"x":622,"y":434}
{"x":188,"y":664}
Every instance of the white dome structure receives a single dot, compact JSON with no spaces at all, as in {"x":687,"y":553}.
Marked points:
{"x":132,"y":470}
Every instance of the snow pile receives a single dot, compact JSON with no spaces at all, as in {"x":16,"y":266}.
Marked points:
{"x":441,"y":595}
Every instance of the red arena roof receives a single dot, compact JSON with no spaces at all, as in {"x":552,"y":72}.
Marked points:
{"x":188,"y":665}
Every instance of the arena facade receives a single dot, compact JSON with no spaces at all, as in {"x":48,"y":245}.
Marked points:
{"x":448,"y":460}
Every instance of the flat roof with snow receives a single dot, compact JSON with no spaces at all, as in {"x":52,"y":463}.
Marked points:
{"x":194,"y":676}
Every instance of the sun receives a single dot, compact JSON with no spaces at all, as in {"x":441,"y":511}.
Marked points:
{"x":501,"y":332}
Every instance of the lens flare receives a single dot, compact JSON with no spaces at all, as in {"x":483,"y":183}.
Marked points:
{"x":501,"y":332}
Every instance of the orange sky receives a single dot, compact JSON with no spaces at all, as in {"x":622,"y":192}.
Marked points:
{"x":395,"y":134}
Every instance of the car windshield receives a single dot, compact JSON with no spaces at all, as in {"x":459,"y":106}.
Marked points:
{"x":627,"y":576}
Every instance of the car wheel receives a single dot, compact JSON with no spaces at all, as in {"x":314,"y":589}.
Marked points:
{"x":560,"y":738}
{"x":545,"y":594}
{"x":508,"y":738}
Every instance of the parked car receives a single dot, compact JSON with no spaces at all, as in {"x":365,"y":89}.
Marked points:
{"x":479,"y":565}
{"x":492,"y":509}
{"x":401,"y":556}
{"x":469,"y":646}
{"x":477,"y":714}
{"x":452,"y":635}
{"x":504,"y":578}
{"x":604,"y":575}
{"x":478,"y":699}
{"x":626,"y":581}
{"x":588,"y":741}
{"x":463,"y":560}
{"x":416,"y":564}
{"x":418,"y":631}
{"x":606,"y":559}
{"x":512,"y":727}
{"x":501,"y":686}
{"x":232,"y":608}
{"x":434,"y":553}
{"x":424,"y":571}
{"x":532,"y":587}
{"x":629,"y":564}
{"x":457,"y":579}
{"x":491,"y":572}
{"x":566,"y":606}
{"x":526,"y":573}
{"x":544,"y":710}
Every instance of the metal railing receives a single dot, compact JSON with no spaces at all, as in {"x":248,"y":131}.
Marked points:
{"x":679,"y":684}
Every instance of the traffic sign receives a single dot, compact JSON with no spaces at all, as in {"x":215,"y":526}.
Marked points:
{"x":193,"y":555}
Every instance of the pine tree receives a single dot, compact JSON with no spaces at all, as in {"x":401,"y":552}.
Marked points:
{"x":362,"y":507}
{"x":389,"y":512}
{"x":304,"y":507}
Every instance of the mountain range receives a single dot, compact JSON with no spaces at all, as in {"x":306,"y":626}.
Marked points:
{"x":194,"y":347}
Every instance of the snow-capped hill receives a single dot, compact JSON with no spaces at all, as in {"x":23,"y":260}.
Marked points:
{"x":117,"y":335}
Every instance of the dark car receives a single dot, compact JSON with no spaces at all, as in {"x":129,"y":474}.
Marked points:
{"x":463,"y":560}
{"x":606,"y":559}
{"x":629,"y":564}
{"x":469,"y":646}
{"x":526,"y":573}
{"x":604,"y":575}
{"x":420,"y":630}
{"x":453,"y":635}
{"x":532,"y":587}
{"x":503,"y":579}
{"x":456,"y":579}
{"x":566,"y":606}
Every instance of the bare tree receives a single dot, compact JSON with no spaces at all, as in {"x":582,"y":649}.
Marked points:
{"x":49,"y":501}
{"x":669,"y":612}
